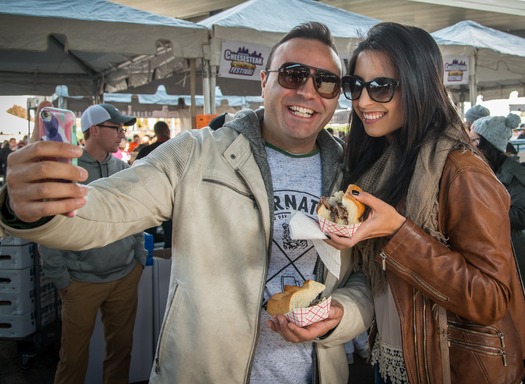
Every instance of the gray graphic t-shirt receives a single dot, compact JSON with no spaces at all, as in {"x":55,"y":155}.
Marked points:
{"x":297,"y":187}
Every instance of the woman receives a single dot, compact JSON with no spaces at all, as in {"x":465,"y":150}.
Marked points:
{"x":435,"y":244}
{"x":492,"y":135}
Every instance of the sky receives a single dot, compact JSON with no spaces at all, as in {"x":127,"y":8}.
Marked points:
{"x":7,"y":102}
{"x":9,"y":124}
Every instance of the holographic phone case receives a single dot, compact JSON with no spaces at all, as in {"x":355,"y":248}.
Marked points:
{"x":59,"y":125}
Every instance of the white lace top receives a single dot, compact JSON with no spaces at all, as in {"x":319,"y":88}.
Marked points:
{"x":388,"y":350}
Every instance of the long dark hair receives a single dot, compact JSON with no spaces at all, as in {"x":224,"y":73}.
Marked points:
{"x":427,"y":108}
{"x":495,"y":158}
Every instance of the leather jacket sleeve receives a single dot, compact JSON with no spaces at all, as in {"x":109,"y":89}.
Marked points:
{"x":470,"y":275}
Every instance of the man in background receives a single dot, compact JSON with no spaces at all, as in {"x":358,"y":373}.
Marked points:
{"x":134,"y":143}
{"x":105,"y":278}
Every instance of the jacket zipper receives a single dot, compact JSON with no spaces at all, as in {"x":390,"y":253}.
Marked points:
{"x":399,"y":267}
{"x":265,"y":270}
{"x":483,"y":349}
{"x":497,"y":333}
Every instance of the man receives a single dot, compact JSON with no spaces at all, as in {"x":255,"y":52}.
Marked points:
{"x":230,"y":193}
{"x":105,"y":278}
{"x":163,"y":134}
{"x":134,"y":143}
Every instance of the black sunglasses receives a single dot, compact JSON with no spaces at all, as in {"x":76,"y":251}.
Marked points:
{"x":294,"y":75}
{"x":380,"y":89}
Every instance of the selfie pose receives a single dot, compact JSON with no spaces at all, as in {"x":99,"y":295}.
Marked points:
{"x":230,"y":193}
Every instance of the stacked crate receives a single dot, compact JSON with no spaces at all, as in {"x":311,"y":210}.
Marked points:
{"x":28,"y":300}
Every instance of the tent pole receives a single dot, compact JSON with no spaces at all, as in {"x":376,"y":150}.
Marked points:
{"x":206,"y":86}
{"x":472,"y":79}
{"x":213,"y":81}
{"x":193,"y":108}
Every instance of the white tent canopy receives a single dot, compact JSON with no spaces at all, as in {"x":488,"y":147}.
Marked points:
{"x":497,"y":58}
{"x":265,"y":22}
{"x":91,"y":46}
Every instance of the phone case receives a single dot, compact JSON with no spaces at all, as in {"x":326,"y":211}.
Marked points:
{"x":57,"y":124}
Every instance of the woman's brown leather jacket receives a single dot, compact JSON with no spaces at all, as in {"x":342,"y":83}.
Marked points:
{"x":475,"y":279}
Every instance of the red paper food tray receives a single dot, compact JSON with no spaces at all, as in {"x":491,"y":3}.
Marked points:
{"x":306,"y":316}
{"x":340,"y":230}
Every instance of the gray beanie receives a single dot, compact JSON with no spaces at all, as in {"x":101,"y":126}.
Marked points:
{"x":497,"y":130}
{"x":476,"y":112}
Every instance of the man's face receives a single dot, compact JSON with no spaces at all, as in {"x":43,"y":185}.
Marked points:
{"x":294,"y":117}
{"x":109,"y":136}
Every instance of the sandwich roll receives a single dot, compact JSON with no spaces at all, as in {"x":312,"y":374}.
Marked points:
{"x":342,"y":208}
{"x":294,"y":297}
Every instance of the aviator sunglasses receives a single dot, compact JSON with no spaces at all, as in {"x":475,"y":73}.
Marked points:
{"x":380,"y":89}
{"x":294,"y":75}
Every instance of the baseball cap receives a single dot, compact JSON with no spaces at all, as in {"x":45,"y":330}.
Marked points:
{"x":100,"y":113}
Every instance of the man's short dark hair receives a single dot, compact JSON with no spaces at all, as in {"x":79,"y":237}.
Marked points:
{"x":161,"y":129}
{"x":309,"y":30}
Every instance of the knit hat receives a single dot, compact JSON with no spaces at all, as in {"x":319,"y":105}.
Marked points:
{"x":497,"y":130}
{"x":476,"y":112}
{"x":101,"y":113}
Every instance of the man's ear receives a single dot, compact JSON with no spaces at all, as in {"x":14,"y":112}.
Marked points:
{"x":264,"y":79}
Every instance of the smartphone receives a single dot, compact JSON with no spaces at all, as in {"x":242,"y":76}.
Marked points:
{"x":59,"y":125}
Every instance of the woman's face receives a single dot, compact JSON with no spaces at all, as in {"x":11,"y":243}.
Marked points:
{"x":379,"y":119}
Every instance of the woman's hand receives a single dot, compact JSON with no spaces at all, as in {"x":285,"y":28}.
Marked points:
{"x":382,"y":220}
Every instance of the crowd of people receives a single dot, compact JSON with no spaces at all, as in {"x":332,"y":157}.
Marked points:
{"x":431,"y":274}
{"x":8,"y":147}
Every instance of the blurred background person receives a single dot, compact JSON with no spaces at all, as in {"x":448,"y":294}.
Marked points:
{"x":6,"y":150}
{"x":121,"y":153}
{"x":476,"y":112}
{"x":491,"y":135}
{"x":134,"y":143}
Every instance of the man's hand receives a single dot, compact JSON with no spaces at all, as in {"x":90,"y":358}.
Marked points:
{"x":293,"y":333}
{"x":36,"y":184}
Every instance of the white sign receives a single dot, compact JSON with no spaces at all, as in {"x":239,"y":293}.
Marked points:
{"x":456,"y":70}
{"x":242,"y":60}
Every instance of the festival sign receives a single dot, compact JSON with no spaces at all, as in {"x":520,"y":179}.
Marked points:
{"x":242,"y":60}
{"x":456,"y":70}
